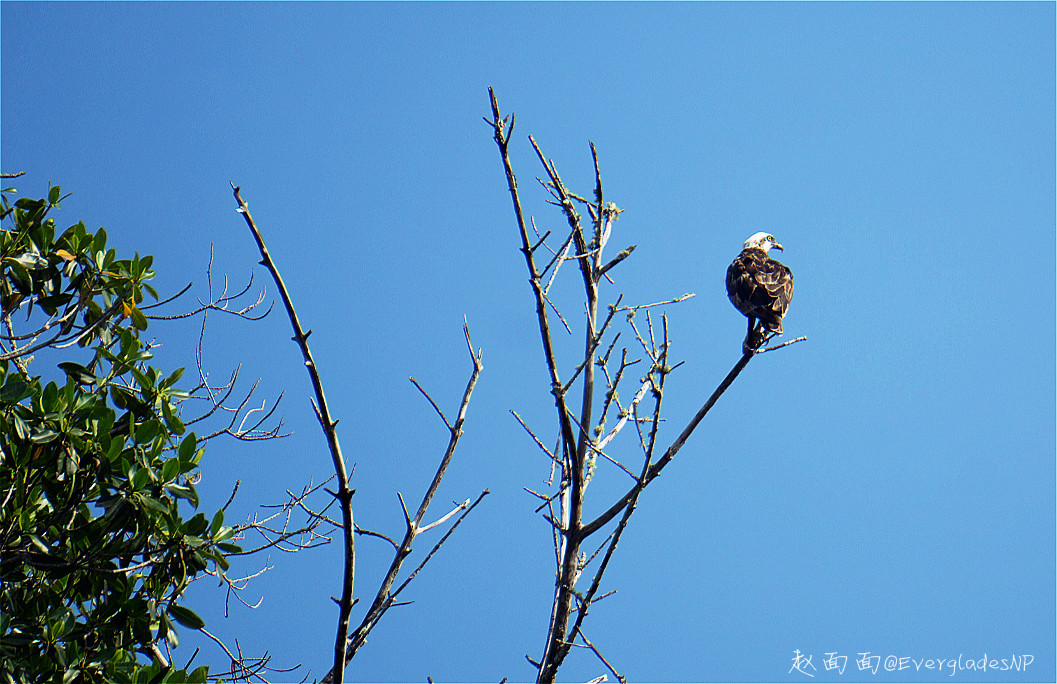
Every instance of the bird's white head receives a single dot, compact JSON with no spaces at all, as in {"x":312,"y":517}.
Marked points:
{"x":764,"y":241}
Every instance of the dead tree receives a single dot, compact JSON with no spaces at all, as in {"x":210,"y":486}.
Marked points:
{"x":347,"y":644}
{"x":582,"y":435}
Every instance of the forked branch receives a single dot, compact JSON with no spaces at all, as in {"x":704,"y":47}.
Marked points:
{"x":655,"y":469}
{"x":386,"y":596}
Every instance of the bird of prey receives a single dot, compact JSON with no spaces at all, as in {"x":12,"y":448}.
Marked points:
{"x":761,"y":288}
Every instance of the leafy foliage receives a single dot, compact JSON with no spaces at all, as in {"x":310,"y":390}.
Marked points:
{"x":94,"y":463}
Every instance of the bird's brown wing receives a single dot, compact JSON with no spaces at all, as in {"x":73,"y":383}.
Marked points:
{"x":760,"y":287}
{"x":776,"y":280}
{"x":741,"y":285}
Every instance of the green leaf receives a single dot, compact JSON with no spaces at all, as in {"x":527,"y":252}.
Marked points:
{"x":218,"y":522}
{"x":44,"y":436}
{"x":139,"y":321}
{"x":196,"y":525}
{"x":51,"y":392}
{"x":99,"y":243}
{"x":168,"y":631}
{"x":62,"y":626}
{"x":29,"y":204}
{"x":186,"y":617}
{"x":77,"y":373}
{"x":170,"y":470}
{"x":176,"y":425}
{"x":148,"y":431}
{"x":187,"y":447}
{"x":19,"y":276}
{"x":32,"y":261}
{"x":169,"y":381}
{"x":141,"y":378}
{"x":14,"y":391}
{"x":21,"y":429}
{"x":38,"y":542}
{"x":139,"y":478}
{"x":156,"y":505}
{"x":183,"y":492}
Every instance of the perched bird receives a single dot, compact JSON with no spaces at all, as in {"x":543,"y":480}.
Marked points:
{"x":760,"y":287}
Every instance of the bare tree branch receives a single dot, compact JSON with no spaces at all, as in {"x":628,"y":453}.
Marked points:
{"x":220,"y":303}
{"x":598,"y":653}
{"x":466,"y":507}
{"x":329,"y":426}
{"x":385,"y":598}
{"x":431,"y":403}
{"x":244,"y":668}
{"x":502,"y":133}
{"x":656,"y":468}
{"x":783,"y":344}
{"x":534,"y":437}
{"x":681,"y":298}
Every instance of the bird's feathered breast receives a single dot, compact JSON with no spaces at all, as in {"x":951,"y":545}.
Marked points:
{"x":760,"y":286}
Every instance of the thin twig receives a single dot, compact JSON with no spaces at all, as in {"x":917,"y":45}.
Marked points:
{"x":660,"y":369}
{"x":605,"y":662}
{"x":443,"y":519}
{"x":624,"y":415}
{"x":558,"y":313}
{"x":533,"y":436}
{"x":369,"y":533}
{"x":501,"y":135}
{"x":680,"y":298}
{"x":431,"y":402}
{"x":624,"y":254}
{"x":573,"y":537}
{"x":541,"y":240}
{"x":783,"y":344}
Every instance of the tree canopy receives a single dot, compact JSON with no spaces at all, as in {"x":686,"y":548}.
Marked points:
{"x":97,"y":470}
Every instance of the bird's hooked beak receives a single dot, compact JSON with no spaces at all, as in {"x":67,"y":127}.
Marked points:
{"x":777,"y":246}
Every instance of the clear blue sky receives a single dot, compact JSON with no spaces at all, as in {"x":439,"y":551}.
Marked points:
{"x":887,"y":486}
